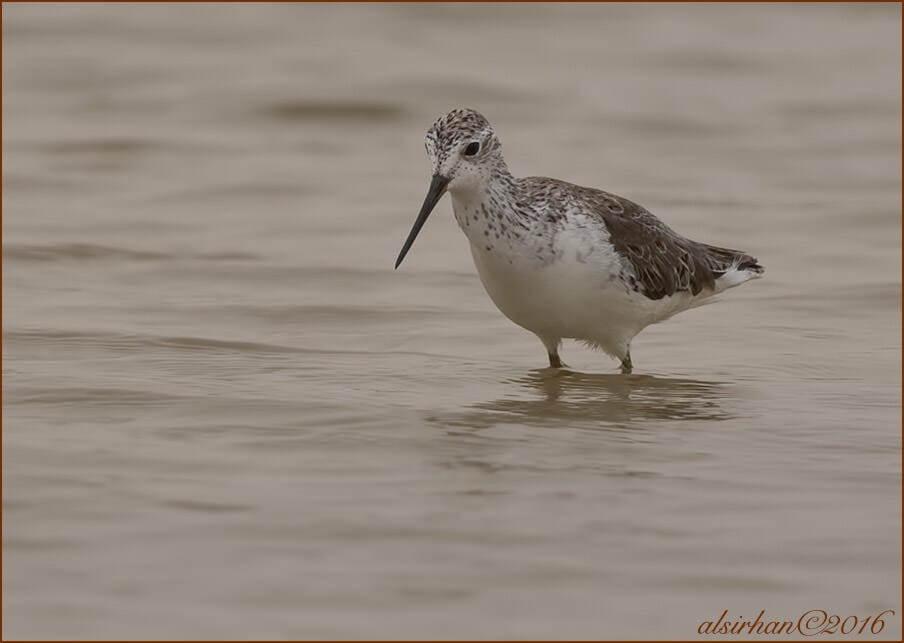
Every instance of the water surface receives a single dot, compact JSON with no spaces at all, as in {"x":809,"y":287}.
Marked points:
{"x":225,"y":415}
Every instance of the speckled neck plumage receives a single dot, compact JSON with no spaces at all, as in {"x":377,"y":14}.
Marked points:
{"x":496,"y":213}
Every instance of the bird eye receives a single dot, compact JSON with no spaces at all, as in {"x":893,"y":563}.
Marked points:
{"x":472,"y":148}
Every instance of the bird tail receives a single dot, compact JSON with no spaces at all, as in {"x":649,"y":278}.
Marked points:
{"x":731,"y":267}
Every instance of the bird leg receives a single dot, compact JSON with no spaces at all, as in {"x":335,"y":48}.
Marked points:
{"x":626,"y":364}
{"x":554,"y":361}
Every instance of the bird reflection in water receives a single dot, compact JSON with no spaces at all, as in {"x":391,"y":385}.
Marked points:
{"x":555,"y":397}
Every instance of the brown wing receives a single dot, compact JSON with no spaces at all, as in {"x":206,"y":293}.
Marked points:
{"x":664,"y":262}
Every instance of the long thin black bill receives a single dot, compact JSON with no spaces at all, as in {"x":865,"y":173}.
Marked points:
{"x":436,"y":191}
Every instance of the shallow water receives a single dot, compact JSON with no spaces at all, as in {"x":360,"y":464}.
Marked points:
{"x":225,"y":415}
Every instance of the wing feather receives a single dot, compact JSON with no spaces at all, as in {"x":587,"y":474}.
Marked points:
{"x":664,"y":262}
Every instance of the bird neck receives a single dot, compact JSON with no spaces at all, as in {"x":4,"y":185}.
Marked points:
{"x":492,"y":214}
{"x":495,"y":187}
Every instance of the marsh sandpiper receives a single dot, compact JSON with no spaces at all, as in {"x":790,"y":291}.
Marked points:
{"x":565,"y":261}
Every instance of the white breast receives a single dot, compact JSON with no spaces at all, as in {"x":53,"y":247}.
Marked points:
{"x":562,"y":281}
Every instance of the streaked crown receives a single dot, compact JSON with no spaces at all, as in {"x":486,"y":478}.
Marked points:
{"x":460,"y":143}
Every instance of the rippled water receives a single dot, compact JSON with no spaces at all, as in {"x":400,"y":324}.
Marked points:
{"x":225,"y":415}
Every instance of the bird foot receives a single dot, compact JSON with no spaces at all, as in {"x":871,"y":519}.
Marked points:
{"x":626,"y":365}
{"x":556,"y":362}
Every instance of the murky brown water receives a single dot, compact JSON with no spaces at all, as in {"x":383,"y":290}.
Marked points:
{"x":225,"y":415}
